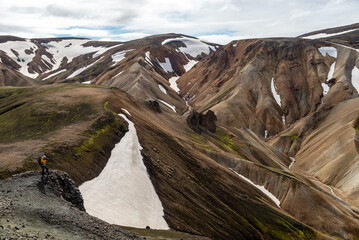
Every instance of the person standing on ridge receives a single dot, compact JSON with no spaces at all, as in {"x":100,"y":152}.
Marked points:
{"x":42,"y":163}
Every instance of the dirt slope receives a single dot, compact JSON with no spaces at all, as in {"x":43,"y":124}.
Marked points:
{"x":70,"y":123}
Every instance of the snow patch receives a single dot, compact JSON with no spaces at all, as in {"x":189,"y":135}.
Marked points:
{"x":275,"y":93}
{"x":330,"y":76}
{"x":234,"y":45}
{"x":118,"y":74}
{"x":291,"y":164}
{"x":119,"y":56}
{"x":80,"y":70}
{"x":54,"y":74}
{"x":194,"y":46}
{"x":173,"y":83}
{"x":190,"y":65}
{"x":326,"y":35}
{"x":87,"y":82}
{"x":331,"y":189}
{"x":283,"y":119}
{"x":325,"y":89}
{"x":123,"y":193}
{"x":166,"y":65}
{"x":355,"y":78}
{"x":71,"y":48}
{"x":261,"y":188}
{"x":265,"y":133}
{"x":127,"y":112}
{"x":331,"y":51}
{"x":46,"y":58}
{"x":162,"y":88}
{"x":147,"y":58}
{"x":168,"y":105}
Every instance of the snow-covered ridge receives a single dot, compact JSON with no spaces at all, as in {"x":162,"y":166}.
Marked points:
{"x":22,"y":59}
{"x":123,"y":193}
{"x":59,"y":49}
{"x":326,"y":35}
{"x":71,"y":48}
{"x":194,"y":46}
{"x":261,"y":188}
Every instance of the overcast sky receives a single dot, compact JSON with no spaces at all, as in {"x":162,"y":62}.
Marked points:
{"x":218,"y":21}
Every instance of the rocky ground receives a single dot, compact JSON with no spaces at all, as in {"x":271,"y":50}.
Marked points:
{"x":32,"y":208}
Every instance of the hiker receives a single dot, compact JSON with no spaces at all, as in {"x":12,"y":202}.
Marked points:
{"x":42,"y":163}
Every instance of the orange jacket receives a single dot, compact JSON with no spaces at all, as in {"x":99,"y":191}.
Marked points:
{"x":43,"y":161}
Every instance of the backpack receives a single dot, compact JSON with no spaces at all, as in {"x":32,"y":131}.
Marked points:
{"x":39,"y":161}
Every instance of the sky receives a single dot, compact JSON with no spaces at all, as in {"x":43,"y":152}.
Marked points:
{"x":218,"y":21}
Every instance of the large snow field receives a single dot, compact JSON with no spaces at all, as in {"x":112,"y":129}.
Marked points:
{"x":194,"y":47}
{"x":123,"y":193}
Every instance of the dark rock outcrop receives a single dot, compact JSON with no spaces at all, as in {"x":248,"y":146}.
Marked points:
{"x":155,"y":106}
{"x":200,"y":122}
{"x":64,"y":187}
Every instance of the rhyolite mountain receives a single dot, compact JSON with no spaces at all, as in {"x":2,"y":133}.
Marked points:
{"x":256,"y":139}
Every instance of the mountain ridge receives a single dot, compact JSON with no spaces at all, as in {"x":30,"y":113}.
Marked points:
{"x":281,"y":162}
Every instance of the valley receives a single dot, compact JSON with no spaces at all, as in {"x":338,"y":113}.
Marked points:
{"x":255,"y":139}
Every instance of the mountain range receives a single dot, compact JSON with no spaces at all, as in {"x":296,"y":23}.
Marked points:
{"x":255,"y":139}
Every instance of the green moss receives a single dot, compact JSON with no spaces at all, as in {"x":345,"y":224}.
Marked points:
{"x":293,"y":137}
{"x":223,"y":95}
{"x":356,"y":125}
{"x":33,"y":120}
{"x":225,"y":141}
{"x":286,"y":134}
{"x":93,"y":137}
{"x":200,"y":141}
{"x":91,"y":154}
{"x":241,"y":217}
{"x":279,"y":171}
{"x":23,"y":116}
{"x":11,"y":89}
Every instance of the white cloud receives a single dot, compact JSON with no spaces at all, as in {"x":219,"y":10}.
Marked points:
{"x":215,"y":19}
{"x":76,"y":32}
{"x":221,"y":38}
{"x":129,"y":36}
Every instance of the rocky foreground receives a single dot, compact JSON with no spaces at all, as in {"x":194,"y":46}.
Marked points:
{"x":50,"y":209}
